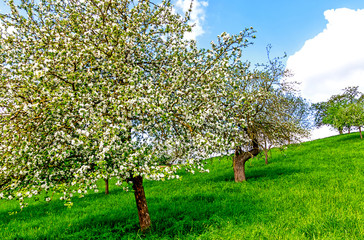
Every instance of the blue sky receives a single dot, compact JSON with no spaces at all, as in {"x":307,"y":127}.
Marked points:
{"x":285,"y":24}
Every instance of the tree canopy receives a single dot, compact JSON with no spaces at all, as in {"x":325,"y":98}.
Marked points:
{"x":98,"y":89}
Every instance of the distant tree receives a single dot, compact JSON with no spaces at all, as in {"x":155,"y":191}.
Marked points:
{"x":356,"y":111}
{"x":319,"y":110}
{"x":257,"y":109}
{"x":297,"y":113}
{"x":352,"y":115}
{"x":99,"y":89}
{"x":332,"y":116}
{"x":350,"y":95}
{"x":331,"y":112}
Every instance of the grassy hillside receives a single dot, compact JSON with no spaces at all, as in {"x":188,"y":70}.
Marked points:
{"x":314,"y":190}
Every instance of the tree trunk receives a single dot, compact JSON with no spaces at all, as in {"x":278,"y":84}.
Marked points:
{"x":266,"y":149}
{"x":106,"y":186}
{"x":240,"y":158}
{"x":266,"y":156}
{"x":141,"y":201}
{"x":239,"y":167}
{"x":361,"y":136}
{"x":340,"y":131}
{"x":349,"y":131}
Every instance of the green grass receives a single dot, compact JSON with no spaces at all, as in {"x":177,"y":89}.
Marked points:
{"x":314,"y":190}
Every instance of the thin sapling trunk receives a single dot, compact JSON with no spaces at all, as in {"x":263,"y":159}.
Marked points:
{"x":361,"y":136}
{"x":106,"y":186}
{"x":266,"y":150}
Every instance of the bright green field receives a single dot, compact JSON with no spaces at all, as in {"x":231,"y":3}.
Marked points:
{"x":310,"y":191}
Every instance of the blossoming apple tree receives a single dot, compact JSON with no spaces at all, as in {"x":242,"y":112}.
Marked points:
{"x":98,"y":89}
{"x":261,"y":107}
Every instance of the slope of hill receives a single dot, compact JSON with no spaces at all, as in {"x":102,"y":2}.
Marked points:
{"x":313,"y":190}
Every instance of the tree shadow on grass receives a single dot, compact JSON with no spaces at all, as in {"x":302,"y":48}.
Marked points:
{"x":39,"y":207}
{"x":42,"y":220}
{"x":271,"y":174}
{"x":258,"y":174}
{"x":172,"y":217}
{"x":175,"y":217}
{"x":43,"y":210}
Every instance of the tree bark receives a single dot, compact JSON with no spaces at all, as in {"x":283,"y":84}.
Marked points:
{"x":266,"y":156}
{"x":266,"y":151}
{"x":106,"y":186}
{"x":240,"y":158}
{"x":361,"y":136}
{"x":239,"y":167}
{"x":141,"y":202}
{"x":340,"y":131}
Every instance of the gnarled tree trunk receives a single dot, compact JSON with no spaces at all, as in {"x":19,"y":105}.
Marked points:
{"x":141,"y":201}
{"x":239,"y":166}
{"x":240,"y":158}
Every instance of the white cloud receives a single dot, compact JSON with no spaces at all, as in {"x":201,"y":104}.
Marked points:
{"x":334,"y":59}
{"x":197,"y":15}
{"x":322,"y":132}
